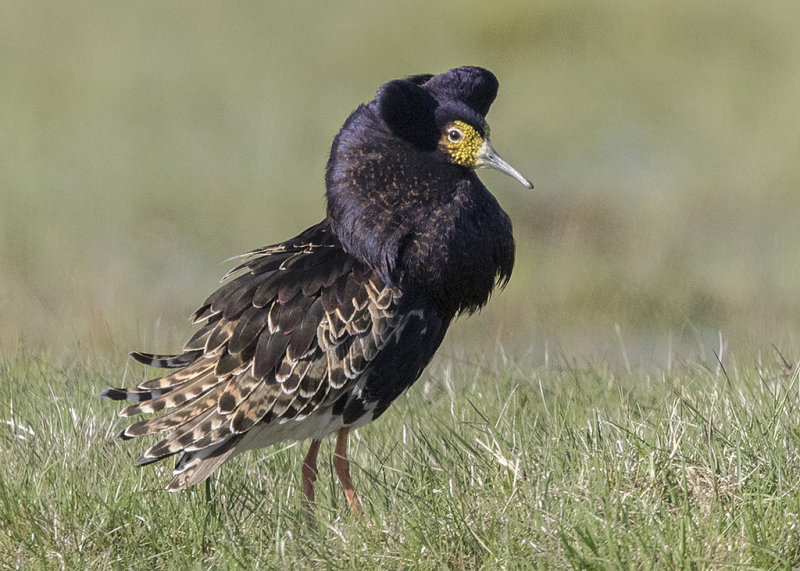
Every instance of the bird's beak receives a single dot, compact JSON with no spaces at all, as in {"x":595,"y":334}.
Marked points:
{"x":488,"y":158}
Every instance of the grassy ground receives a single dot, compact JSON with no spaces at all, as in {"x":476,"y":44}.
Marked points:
{"x":486,"y":463}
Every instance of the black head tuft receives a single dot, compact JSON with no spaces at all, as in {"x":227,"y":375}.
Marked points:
{"x":474,"y":86}
{"x":416,"y":108}
{"x":408,"y":111}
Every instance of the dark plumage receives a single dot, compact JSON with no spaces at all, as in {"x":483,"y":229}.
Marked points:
{"x":322,"y":332}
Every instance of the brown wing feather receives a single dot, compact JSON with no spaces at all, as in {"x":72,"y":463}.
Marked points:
{"x":287,"y":337}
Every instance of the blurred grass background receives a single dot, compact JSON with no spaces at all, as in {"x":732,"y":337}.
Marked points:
{"x":143,"y":143}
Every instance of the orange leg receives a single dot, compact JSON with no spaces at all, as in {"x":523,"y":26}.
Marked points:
{"x":310,"y":471}
{"x":342,"y":466}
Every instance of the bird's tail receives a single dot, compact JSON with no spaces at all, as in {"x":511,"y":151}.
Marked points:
{"x":192,"y":391}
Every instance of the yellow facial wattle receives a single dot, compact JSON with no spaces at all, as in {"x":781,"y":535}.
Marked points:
{"x":463,"y":151}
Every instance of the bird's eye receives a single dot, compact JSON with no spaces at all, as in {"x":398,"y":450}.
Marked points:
{"x":455,"y":135}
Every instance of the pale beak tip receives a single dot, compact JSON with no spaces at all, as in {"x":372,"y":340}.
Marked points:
{"x":521,"y":178}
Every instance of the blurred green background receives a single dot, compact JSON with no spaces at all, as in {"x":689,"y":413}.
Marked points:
{"x":143,"y":143}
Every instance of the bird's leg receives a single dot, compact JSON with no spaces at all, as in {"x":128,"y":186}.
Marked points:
{"x":310,"y":471}
{"x":342,"y":466}
{"x":309,"y":477}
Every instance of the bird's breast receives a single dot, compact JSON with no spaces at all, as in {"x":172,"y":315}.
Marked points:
{"x":460,"y":250}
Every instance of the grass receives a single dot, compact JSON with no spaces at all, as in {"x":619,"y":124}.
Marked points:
{"x":486,"y":463}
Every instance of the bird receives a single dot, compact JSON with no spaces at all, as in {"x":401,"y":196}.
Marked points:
{"x":318,"y":334}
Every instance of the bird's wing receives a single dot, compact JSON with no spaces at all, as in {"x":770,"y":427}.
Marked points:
{"x":290,"y":335}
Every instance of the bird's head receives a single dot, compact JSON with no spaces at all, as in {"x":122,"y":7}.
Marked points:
{"x":446,"y":115}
